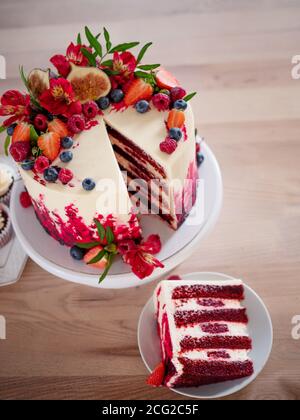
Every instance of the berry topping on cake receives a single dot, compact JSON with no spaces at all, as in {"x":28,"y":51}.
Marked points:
{"x":27,"y":164}
{"x":66,"y":156}
{"x":88,"y":184}
{"x":177,"y":93}
{"x":67,"y":143}
{"x":41,"y":164}
{"x":76,"y":123}
{"x":161,"y":101}
{"x":49,"y":143}
{"x":92,"y":255}
{"x":10,"y":130}
{"x":41,"y":122}
{"x":20,"y":150}
{"x":116,"y":95}
{"x":90,"y":109}
{"x":200,"y":159}
{"x":59,"y":127}
{"x":77,"y":253}
{"x":166,"y":80}
{"x":176,"y":119}
{"x":175,"y":133}
{"x":168,"y":146}
{"x":180,"y":104}
{"x":142,"y":107}
{"x":51,"y":174}
{"x":21,"y":133}
{"x":25,"y":200}
{"x":138,"y":90}
{"x":103,"y":103}
{"x":65,"y":176}
{"x":156,"y":378}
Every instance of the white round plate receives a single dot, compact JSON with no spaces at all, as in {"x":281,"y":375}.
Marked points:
{"x":177,"y":246}
{"x":260,"y":330}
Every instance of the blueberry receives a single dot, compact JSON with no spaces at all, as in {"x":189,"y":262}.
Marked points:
{"x":142,"y":107}
{"x":27,"y":164}
{"x":51,"y":174}
{"x":200,"y":159}
{"x":88,"y":184}
{"x":10,"y":130}
{"x":50,"y":116}
{"x":175,"y":134}
{"x":116,"y":95}
{"x":77,"y":253}
{"x":180,"y":104}
{"x":67,"y":142}
{"x":66,"y":156}
{"x":103,"y":103}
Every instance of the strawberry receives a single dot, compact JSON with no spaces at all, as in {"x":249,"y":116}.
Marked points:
{"x":91,"y":254}
{"x":166,"y":80}
{"x":138,"y":90}
{"x":157,"y":376}
{"x":176,"y":119}
{"x":49,"y":143}
{"x":59,"y":127}
{"x":21,"y":132}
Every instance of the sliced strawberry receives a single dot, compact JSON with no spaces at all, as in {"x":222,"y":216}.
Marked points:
{"x":176,"y":119}
{"x":21,"y":132}
{"x":157,"y":376}
{"x":91,"y":254}
{"x":59,"y":127}
{"x":166,"y":80}
{"x":138,"y":90}
{"x":49,"y":143}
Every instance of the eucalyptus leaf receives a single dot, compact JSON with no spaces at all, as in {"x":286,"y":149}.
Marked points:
{"x":149,"y":67}
{"x":190,"y":96}
{"x":6,"y":145}
{"x":143,"y":51}
{"x":79,"y":42}
{"x":89,"y":56}
{"x":101,"y":229}
{"x":124,"y":47}
{"x":110,"y":237}
{"x":109,"y":264}
{"x":107,"y":39}
{"x":144,"y":75}
{"x":87,"y":245}
{"x":93,"y":41}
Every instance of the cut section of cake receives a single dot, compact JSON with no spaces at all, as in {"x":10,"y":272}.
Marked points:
{"x":203,"y":332}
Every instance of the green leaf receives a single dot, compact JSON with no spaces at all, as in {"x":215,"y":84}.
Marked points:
{"x":149,"y":67}
{"x":190,"y":96}
{"x":79,"y":42}
{"x":110,"y":72}
{"x":87,"y":245}
{"x":33,"y":135}
{"x":144,"y":75}
{"x":124,"y":47}
{"x":93,"y":41}
{"x":6,"y":145}
{"x":109,"y":264}
{"x":89,"y":56}
{"x":143,"y":51}
{"x":111,"y":248}
{"x":110,"y":237}
{"x":107,"y":63}
{"x":101,"y":229}
{"x":98,"y":257}
{"x":36,"y":152}
{"x":23,"y":77}
{"x":2,"y":128}
{"x":107,"y":39}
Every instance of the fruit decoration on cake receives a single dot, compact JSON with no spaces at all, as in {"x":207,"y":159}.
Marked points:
{"x":98,"y":113}
{"x":203,"y":333}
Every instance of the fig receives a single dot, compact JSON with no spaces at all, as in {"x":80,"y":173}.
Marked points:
{"x":38,"y":81}
{"x":89,"y":83}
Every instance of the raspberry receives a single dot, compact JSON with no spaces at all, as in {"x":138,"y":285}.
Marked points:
{"x":90,"y":109}
{"x":161,"y":101}
{"x":76,"y":123}
{"x":20,"y":150}
{"x":65,"y":176}
{"x":75,"y":108}
{"x":168,"y":146}
{"x":25,"y":200}
{"x":177,"y":93}
{"x":41,"y":122}
{"x":41,"y":164}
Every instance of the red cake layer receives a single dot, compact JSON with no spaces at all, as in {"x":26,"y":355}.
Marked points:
{"x":206,"y":291}
{"x":214,"y":328}
{"x":216,"y":342}
{"x":189,"y":318}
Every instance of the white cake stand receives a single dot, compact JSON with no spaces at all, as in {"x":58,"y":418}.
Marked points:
{"x":177,"y":246}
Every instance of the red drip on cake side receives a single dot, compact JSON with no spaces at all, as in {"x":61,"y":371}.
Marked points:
{"x":166,"y":339}
{"x":186,"y":198}
{"x":190,"y":318}
{"x":216,"y":342}
{"x":207,"y":291}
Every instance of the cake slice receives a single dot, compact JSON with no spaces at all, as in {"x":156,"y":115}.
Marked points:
{"x":202,"y":327}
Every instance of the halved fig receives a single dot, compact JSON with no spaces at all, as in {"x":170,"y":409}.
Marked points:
{"x":89,"y":83}
{"x":38,"y":81}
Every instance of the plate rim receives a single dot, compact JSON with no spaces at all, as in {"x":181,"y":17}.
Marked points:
{"x":247,"y":381}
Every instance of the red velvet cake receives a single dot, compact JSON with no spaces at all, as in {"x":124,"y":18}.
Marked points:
{"x":203,"y":331}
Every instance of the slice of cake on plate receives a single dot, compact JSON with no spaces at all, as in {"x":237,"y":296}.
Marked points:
{"x":203,"y":332}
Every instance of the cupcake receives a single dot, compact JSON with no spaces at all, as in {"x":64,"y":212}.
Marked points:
{"x":5,"y":226}
{"x":6,"y":183}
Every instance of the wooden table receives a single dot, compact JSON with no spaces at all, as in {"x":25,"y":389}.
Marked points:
{"x":68,"y":341}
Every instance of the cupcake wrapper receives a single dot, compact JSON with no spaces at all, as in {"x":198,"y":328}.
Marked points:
{"x":5,"y":199}
{"x":6,"y":233}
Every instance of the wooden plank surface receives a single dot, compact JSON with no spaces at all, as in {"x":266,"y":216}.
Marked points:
{"x":69,"y":341}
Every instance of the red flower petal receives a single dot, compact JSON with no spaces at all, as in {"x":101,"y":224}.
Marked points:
{"x":62,"y":64}
{"x":152,"y":245}
{"x":14,"y":98}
